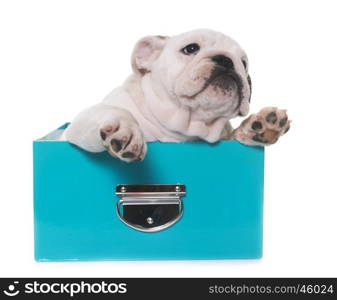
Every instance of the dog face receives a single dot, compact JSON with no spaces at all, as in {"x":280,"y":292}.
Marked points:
{"x":202,"y":69}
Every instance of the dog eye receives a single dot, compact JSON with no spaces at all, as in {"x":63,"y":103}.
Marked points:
{"x":190,"y":49}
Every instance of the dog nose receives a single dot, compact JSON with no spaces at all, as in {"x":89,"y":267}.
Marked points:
{"x":223,"y":61}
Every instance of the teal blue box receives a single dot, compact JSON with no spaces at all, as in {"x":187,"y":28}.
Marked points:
{"x":75,"y":203}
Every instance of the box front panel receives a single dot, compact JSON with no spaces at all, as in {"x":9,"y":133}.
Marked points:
{"x":74,"y":202}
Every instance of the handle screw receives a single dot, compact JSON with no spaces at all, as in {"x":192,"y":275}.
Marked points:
{"x":149,"y":220}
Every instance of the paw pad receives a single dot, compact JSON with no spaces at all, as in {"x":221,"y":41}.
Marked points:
{"x":271,"y":117}
{"x":128,"y":155}
{"x":106,"y":131}
{"x":263,"y":128}
{"x":256,"y":125}
{"x":116,"y":145}
{"x":283,"y":121}
{"x":125,"y":141}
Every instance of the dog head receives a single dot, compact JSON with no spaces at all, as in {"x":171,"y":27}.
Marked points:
{"x":204,"y":70}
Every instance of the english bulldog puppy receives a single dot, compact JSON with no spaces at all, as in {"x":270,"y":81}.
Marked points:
{"x":186,"y":87}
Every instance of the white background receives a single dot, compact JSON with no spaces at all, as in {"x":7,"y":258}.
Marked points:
{"x":57,"y":57}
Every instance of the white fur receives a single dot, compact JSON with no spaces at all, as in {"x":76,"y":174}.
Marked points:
{"x":158,"y":96}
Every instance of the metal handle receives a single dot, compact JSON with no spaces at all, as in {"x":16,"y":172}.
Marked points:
{"x":141,"y":195}
{"x":151,"y":229}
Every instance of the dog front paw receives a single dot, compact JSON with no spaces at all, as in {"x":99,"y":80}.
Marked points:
{"x":263,"y":128}
{"x":124,"y":140}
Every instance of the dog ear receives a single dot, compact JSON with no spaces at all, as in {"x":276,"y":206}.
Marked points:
{"x":146,"y":51}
